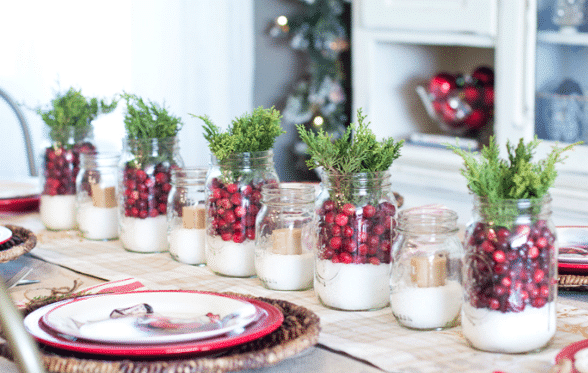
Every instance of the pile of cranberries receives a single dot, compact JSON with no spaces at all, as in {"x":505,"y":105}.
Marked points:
{"x":509,"y":270}
{"x":146,"y":190}
{"x":355,"y":234}
{"x":233,"y":208}
{"x":61,"y":168}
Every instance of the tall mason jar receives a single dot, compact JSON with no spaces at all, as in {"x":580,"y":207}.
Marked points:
{"x":96,"y":184}
{"x":355,"y":225}
{"x":186,"y":215}
{"x":427,"y":255}
{"x":233,"y":199}
{"x":284,"y":236}
{"x":59,"y":170}
{"x":144,"y":185}
{"x":510,"y":276}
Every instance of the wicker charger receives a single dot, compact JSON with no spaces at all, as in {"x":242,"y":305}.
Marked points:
{"x":299,"y":331}
{"x":22,"y":241}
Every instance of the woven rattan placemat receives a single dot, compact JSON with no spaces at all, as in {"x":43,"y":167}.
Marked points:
{"x":299,"y":331}
{"x":22,"y":241}
{"x":573,"y":282}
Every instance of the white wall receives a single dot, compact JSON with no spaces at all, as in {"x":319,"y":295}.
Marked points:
{"x":180,"y":52}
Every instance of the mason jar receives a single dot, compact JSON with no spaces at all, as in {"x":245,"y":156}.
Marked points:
{"x":96,"y":185}
{"x":284,"y":238}
{"x":233,"y":200}
{"x":144,"y":185}
{"x":355,"y":225}
{"x":510,"y":275}
{"x":186,"y":215}
{"x":427,"y":256}
{"x":59,"y":170}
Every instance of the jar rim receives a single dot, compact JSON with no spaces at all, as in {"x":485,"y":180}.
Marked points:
{"x":428,"y":217}
{"x":278,"y":192}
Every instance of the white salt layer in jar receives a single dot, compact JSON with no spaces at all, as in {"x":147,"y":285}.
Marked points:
{"x":509,"y":332}
{"x":352,"y":287}
{"x":427,"y":307}
{"x":147,"y":235}
{"x":187,"y":245}
{"x":283,"y":271}
{"x":58,"y":212}
{"x":98,"y":223}
{"x":229,"y":258}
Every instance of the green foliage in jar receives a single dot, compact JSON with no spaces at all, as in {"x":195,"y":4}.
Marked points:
{"x":495,"y":179}
{"x":357,"y":151}
{"x":148,"y":124}
{"x":253,"y":132}
{"x":148,"y":120}
{"x":71,"y":112}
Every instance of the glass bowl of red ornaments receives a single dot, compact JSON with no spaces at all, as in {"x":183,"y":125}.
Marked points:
{"x":460,"y":104}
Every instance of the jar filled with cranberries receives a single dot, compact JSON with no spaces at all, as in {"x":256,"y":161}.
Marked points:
{"x":60,"y":167}
{"x":233,"y":199}
{"x":356,"y":223}
{"x":144,"y":184}
{"x":427,"y":254}
{"x":510,"y":275}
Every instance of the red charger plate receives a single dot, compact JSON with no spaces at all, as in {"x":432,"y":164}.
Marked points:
{"x":19,"y":204}
{"x":569,"y":351}
{"x":573,"y":249}
{"x":269,"y":321}
{"x":19,"y":195}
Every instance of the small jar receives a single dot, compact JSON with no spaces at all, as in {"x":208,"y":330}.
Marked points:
{"x":355,"y":225}
{"x":59,"y":170}
{"x":97,"y":212}
{"x":284,"y":242}
{"x":186,"y":218}
{"x":510,"y":276}
{"x":233,"y":200}
{"x":427,"y":255}
{"x":144,"y":185}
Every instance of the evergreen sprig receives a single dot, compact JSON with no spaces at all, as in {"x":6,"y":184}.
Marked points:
{"x":355,"y":152}
{"x":517,"y":177}
{"x":144,"y":120}
{"x":253,"y":132}
{"x":71,"y":111}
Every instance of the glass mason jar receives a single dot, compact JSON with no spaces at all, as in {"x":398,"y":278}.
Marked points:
{"x":233,"y":199}
{"x":284,"y":238}
{"x":356,"y":223}
{"x":96,"y":184}
{"x":427,"y":255}
{"x":60,"y":167}
{"x":144,"y":185}
{"x":510,"y":276}
{"x":186,"y":217}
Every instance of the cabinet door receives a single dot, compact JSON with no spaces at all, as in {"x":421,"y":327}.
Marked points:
{"x":472,"y":16}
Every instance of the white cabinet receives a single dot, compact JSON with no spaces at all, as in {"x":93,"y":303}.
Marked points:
{"x":399,"y":44}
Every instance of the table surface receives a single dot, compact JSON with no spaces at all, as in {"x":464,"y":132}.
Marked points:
{"x":349,"y":341}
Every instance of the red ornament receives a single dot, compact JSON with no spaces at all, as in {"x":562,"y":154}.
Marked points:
{"x":472,"y":94}
{"x":488,"y":96}
{"x":441,"y":85}
{"x":476,"y":119}
{"x":484,"y":76}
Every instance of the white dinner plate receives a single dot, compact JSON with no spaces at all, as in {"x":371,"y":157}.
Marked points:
{"x":150,"y":317}
{"x":5,"y":234}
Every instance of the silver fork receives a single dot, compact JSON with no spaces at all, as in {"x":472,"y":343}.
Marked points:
{"x":19,"y":277}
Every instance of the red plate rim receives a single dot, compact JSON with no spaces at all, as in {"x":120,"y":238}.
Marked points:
{"x":569,"y":351}
{"x":19,"y":204}
{"x":270,"y":320}
{"x":568,"y":266}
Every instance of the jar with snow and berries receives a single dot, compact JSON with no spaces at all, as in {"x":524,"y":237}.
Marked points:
{"x":511,"y":249}
{"x":355,"y":224}
{"x":510,"y":275}
{"x":150,"y":153}
{"x":233,"y":189}
{"x":70,"y":133}
{"x":241,"y":164}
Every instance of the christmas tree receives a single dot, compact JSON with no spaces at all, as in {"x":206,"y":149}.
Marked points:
{"x":321,"y":98}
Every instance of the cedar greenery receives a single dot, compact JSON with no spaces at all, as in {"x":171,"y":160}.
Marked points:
{"x":357,"y":151}
{"x":72,"y":111}
{"x":516,"y":178}
{"x":249,"y":133}
{"x":148,"y":120}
